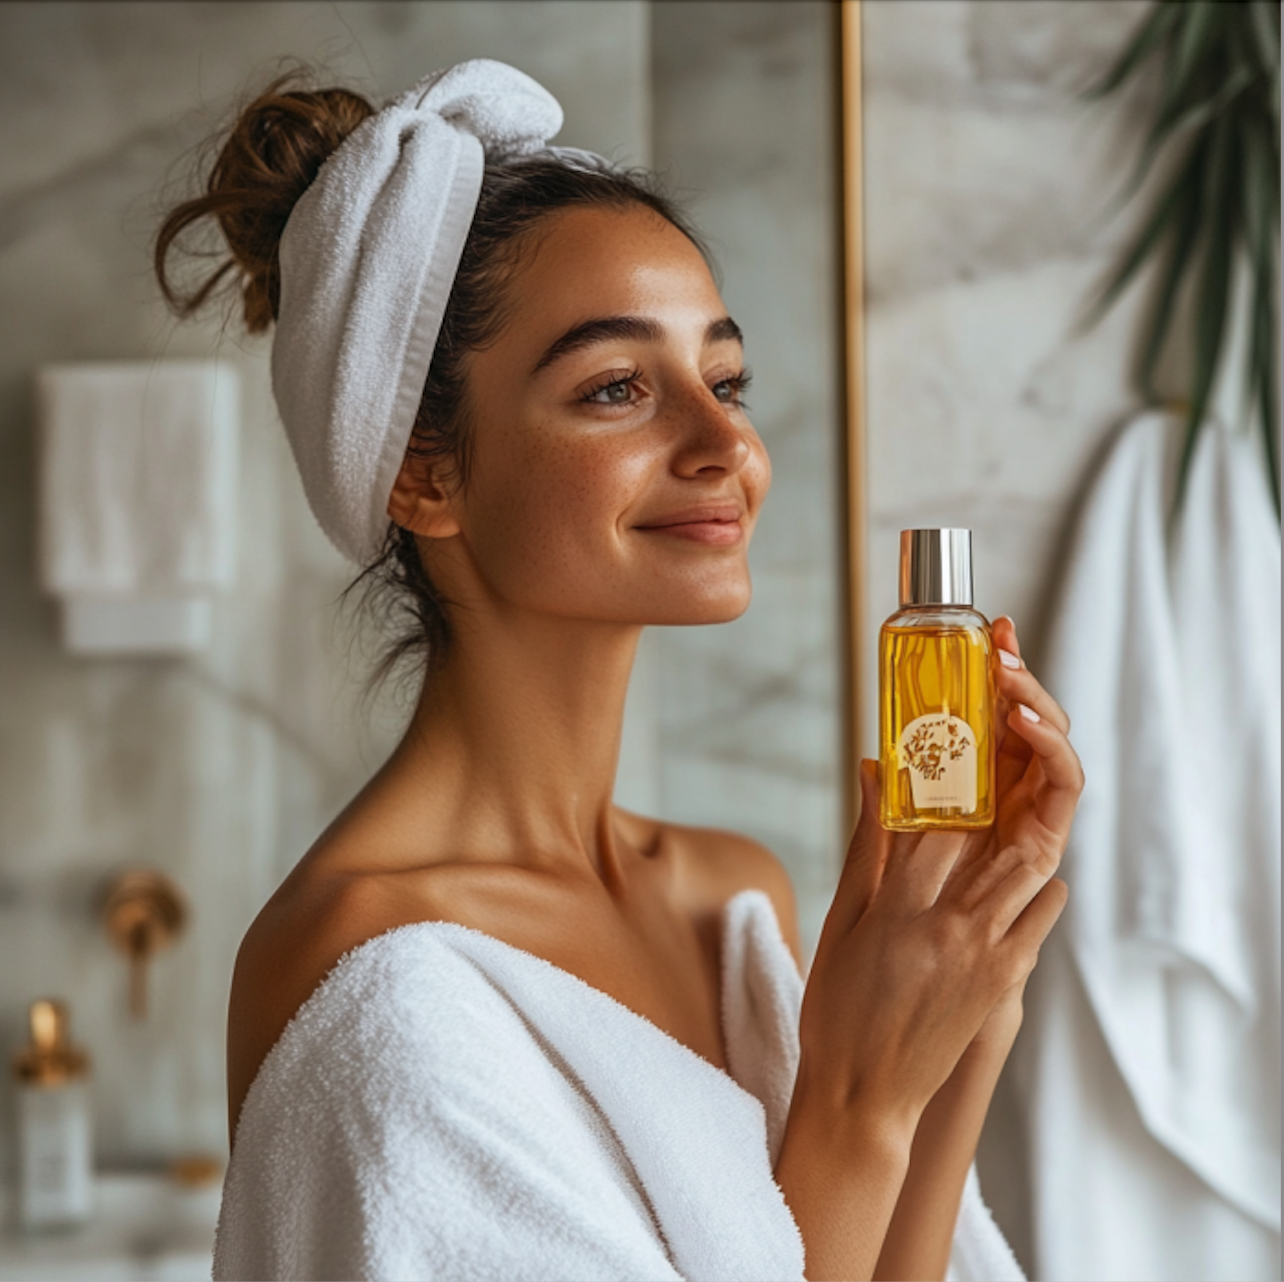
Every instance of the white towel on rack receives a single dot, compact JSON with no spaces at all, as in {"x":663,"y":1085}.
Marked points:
{"x":447,"y":1106}
{"x":138,"y":478}
{"x":1165,"y":651}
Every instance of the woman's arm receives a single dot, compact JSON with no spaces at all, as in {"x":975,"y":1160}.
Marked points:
{"x":899,"y":1206}
{"x":877,"y":1149}
{"x":841,"y":1170}
{"x":921,"y":1233}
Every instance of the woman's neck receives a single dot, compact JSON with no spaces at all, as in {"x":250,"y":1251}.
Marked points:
{"x":516,"y":737}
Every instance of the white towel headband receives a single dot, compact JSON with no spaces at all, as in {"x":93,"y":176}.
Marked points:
{"x":368,"y":258}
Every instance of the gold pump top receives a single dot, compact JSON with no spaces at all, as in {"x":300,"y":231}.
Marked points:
{"x":49,"y":1059}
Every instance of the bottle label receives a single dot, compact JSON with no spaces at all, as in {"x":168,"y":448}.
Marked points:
{"x":939,"y":751}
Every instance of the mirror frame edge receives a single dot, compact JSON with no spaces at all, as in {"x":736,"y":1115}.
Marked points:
{"x":854,"y":412}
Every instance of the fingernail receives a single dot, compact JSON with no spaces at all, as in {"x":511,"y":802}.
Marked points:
{"x":1009,"y":660}
{"x":1028,"y":713}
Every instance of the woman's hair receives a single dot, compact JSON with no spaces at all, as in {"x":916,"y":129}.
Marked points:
{"x":273,"y":152}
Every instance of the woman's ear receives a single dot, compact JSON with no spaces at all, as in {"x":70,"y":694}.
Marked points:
{"x":420,"y":503}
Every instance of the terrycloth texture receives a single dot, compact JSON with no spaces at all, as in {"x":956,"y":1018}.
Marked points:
{"x":1166,"y":654}
{"x":138,"y":478}
{"x":447,"y":1106}
{"x":368,"y":258}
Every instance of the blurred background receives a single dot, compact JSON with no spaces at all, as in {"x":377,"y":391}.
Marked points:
{"x":984,"y":402}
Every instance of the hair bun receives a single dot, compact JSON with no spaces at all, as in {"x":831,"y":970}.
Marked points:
{"x":268,"y":160}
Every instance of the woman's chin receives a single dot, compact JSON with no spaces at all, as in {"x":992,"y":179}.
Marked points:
{"x":695,"y":609}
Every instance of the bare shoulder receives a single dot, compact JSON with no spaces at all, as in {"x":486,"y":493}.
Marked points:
{"x":301,"y":932}
{"x":331,"y":903}
{"x":717,"y":864}
{"x":328,"y":905}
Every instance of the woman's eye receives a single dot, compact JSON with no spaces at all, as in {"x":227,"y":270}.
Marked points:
{"x":731,"y":391}
{"x":615,"y":393}
{"x":618,"y":391}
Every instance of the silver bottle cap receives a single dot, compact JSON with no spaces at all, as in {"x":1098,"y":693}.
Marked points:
{"x":936,"y":567}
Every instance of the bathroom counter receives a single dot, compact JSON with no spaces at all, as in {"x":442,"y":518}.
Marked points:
{"x":146,"y":1228}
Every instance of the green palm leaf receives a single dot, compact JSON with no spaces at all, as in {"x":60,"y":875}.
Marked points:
{"x":1147,"y":39}
{"x":1218,"y":117}
{"x":1148,"y":239}
{"x":1174,"y":274}
{"x":1262,"y":215}
{"x":1214,"y":290}
{"x":1197,"y":31}
{"x":1264,"y":381}
{"x":1264,"y":26}
{"x":1179,"y":117}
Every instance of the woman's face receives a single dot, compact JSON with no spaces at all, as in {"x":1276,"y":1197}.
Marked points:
{"x":615,"y":475}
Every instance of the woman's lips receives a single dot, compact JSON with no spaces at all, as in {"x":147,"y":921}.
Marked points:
{"x":717,"y":525}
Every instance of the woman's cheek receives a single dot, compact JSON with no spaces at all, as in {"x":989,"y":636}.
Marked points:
{"x":755,"y":477}
{"x":540,"y":536}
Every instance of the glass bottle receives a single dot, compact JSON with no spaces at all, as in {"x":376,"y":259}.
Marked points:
{"x":936,"y":692}
{"x":55,"y":1175}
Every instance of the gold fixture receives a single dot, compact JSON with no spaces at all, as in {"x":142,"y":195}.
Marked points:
{"x":197,"y":1170}
{"x":49,"y":1059}
{"x":144,"y":912}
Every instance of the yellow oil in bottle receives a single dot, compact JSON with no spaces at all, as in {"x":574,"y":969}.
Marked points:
{"x":936,"y":733}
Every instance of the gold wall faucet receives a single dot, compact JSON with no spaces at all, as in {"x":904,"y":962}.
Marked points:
{"x":144,"y":911}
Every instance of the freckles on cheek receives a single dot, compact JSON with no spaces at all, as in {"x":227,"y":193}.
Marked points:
{"x":582,"y":487}
{"x":549,"y":502}
{"x":757,"y":475}
{"x":539,"y":514}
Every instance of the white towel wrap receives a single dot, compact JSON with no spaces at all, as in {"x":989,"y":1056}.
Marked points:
{"x":447,"y":1106}
{"x":368,"y":258}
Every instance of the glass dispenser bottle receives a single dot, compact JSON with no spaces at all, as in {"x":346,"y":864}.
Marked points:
{"x":936,"y":692}
{"x":55,"y":1176}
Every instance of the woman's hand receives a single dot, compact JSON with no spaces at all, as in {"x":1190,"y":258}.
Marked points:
{"x":1034,"y":814}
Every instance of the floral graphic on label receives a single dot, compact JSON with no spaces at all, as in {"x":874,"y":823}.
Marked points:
{"x":939,"y":751}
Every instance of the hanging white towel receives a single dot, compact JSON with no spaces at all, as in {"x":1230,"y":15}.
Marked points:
{"x":138,"y":488}
{"x":138,"y":477}
{"x":448,"y":1106}
{"x":1155,"y":1135}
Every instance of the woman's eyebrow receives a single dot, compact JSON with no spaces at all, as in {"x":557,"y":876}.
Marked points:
{"x":722,"y":331}
{"x":638,"y":329}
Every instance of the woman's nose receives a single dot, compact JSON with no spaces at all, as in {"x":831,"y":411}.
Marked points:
{"x":712,"y":438}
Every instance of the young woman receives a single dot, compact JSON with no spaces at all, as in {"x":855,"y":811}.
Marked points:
{"x":492,"y":1025}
